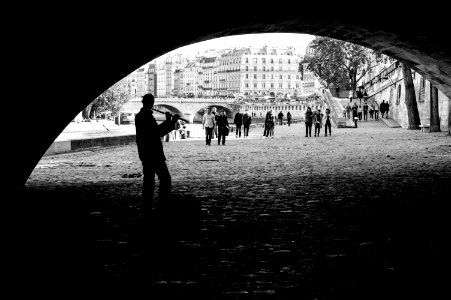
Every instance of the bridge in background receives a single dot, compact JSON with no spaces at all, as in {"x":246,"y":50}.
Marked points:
{"x":190,"y":109}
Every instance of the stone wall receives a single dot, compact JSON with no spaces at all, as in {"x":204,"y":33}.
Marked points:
{"x":393,"y":91}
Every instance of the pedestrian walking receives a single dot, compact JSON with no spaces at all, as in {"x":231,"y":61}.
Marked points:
{"x":280,"y":117}
{"x":365,"y":111}
{"x":376,"y":111}
{"x":238,"y":120}
{"x":355,"y":116}
{"x":318,"y":121}
{"x":360,"y":112}
{"x":247,"y":120}
{"x":215,"y":129}
{"x":382,"y":108}
{"x":327,"y":123}
{"x":271,"y":124}
{"x":151,"y":154}
{"x":288,"y":118}
{"x":266,"y":131}
{"x":223,"y":127}
{"x":360,"y":95}
{"x":308,"y":119}
{"x":371,"y":110}
{"x":208,"y":123}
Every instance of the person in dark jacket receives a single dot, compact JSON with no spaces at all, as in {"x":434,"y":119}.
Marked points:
{"x":308,"y":122}
{"x":288,"y":118}
{"x":150,"y":151}
{"x":318,"y":120}
{"x":280,"y":117}
{"x":360,"y":95}
{"x":382,"y":108}
{"x":223,"y":126}
{"x":247,"y":119}
{"x":355,"y":115}
{"x":327,"y":123}
{"x":238,"y":120}
{"x":266,"y":131}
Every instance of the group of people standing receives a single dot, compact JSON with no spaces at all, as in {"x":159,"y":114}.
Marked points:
{"x":317,"y":118}
{"x":218,"y":125}
{"x":215,"y":124}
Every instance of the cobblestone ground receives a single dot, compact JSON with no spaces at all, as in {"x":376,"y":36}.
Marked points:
{"x":356,"y":215}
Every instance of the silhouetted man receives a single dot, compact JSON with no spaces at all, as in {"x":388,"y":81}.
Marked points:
{"x":238,"y":120}
{"x":150,"y":150}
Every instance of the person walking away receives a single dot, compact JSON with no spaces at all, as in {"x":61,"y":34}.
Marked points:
{"x":280,"y":117}
{"x":247,"y":119}
{"x":215,"y":129}
{"x":359,"y":112}
{"x":208,"y":123}
{"x":360,"y":95}
{"x":151,"y":154}
{"x":327,"y":123}
{"x":318,"y":120}
{"x":355,"y":114}
{"x":308,"y":119}
{"x":365,"y":111}
{"x":288,"y":118}
{"x":376,"y":112}
{"x":238,"y":120}
{"x":223,"y":127}
{"x":271,"y":123}
{"x":371,"y":111}
{"x":382,"y":108}
{"x":266,"y":131}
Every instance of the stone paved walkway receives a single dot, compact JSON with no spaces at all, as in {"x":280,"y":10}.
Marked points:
{"x":358,"y":215}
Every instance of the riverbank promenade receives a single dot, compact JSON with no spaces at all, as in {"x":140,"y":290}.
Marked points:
{"x":360,"y":214}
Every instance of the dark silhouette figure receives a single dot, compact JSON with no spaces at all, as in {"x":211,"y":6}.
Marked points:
{"x":238,"y":120}
{"x":266,"y":131}
{"x":151,"y":154}
{"x":288,"y":118}
{"x":360,"y":95}
{"x":280,"y":117}
{"x":308,"y":122}
{"x":223,"y":127}
{"x":328,"y":124}
{"x":247,"y":120}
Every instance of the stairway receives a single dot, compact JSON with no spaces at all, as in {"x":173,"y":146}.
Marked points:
{"x":336,"y":110}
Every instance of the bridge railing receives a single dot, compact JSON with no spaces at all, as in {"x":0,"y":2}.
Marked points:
{"x":206,"y":100}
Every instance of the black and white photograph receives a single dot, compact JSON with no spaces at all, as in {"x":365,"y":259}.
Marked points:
{"x":216,"y":152}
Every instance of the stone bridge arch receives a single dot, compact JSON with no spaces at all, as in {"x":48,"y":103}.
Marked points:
{"x":400,"y":32}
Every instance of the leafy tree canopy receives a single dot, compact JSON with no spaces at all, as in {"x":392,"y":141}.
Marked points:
{"x":113,"y":98}
{"x":337,"y":63}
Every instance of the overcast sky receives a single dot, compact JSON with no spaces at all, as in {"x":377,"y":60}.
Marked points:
{"x":281,"y":40}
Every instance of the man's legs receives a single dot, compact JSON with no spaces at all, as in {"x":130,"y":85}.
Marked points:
{"x":164,"y":191}
{"x":209,"y":133}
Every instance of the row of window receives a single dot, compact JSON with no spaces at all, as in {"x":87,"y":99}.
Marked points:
{"x":254,"y":61}
{"x":263,"y":85}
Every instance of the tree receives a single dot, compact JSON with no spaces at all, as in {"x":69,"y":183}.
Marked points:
{"x":337,"y":63}
{"x":410,"y":99}
{"x":111,"y":100}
